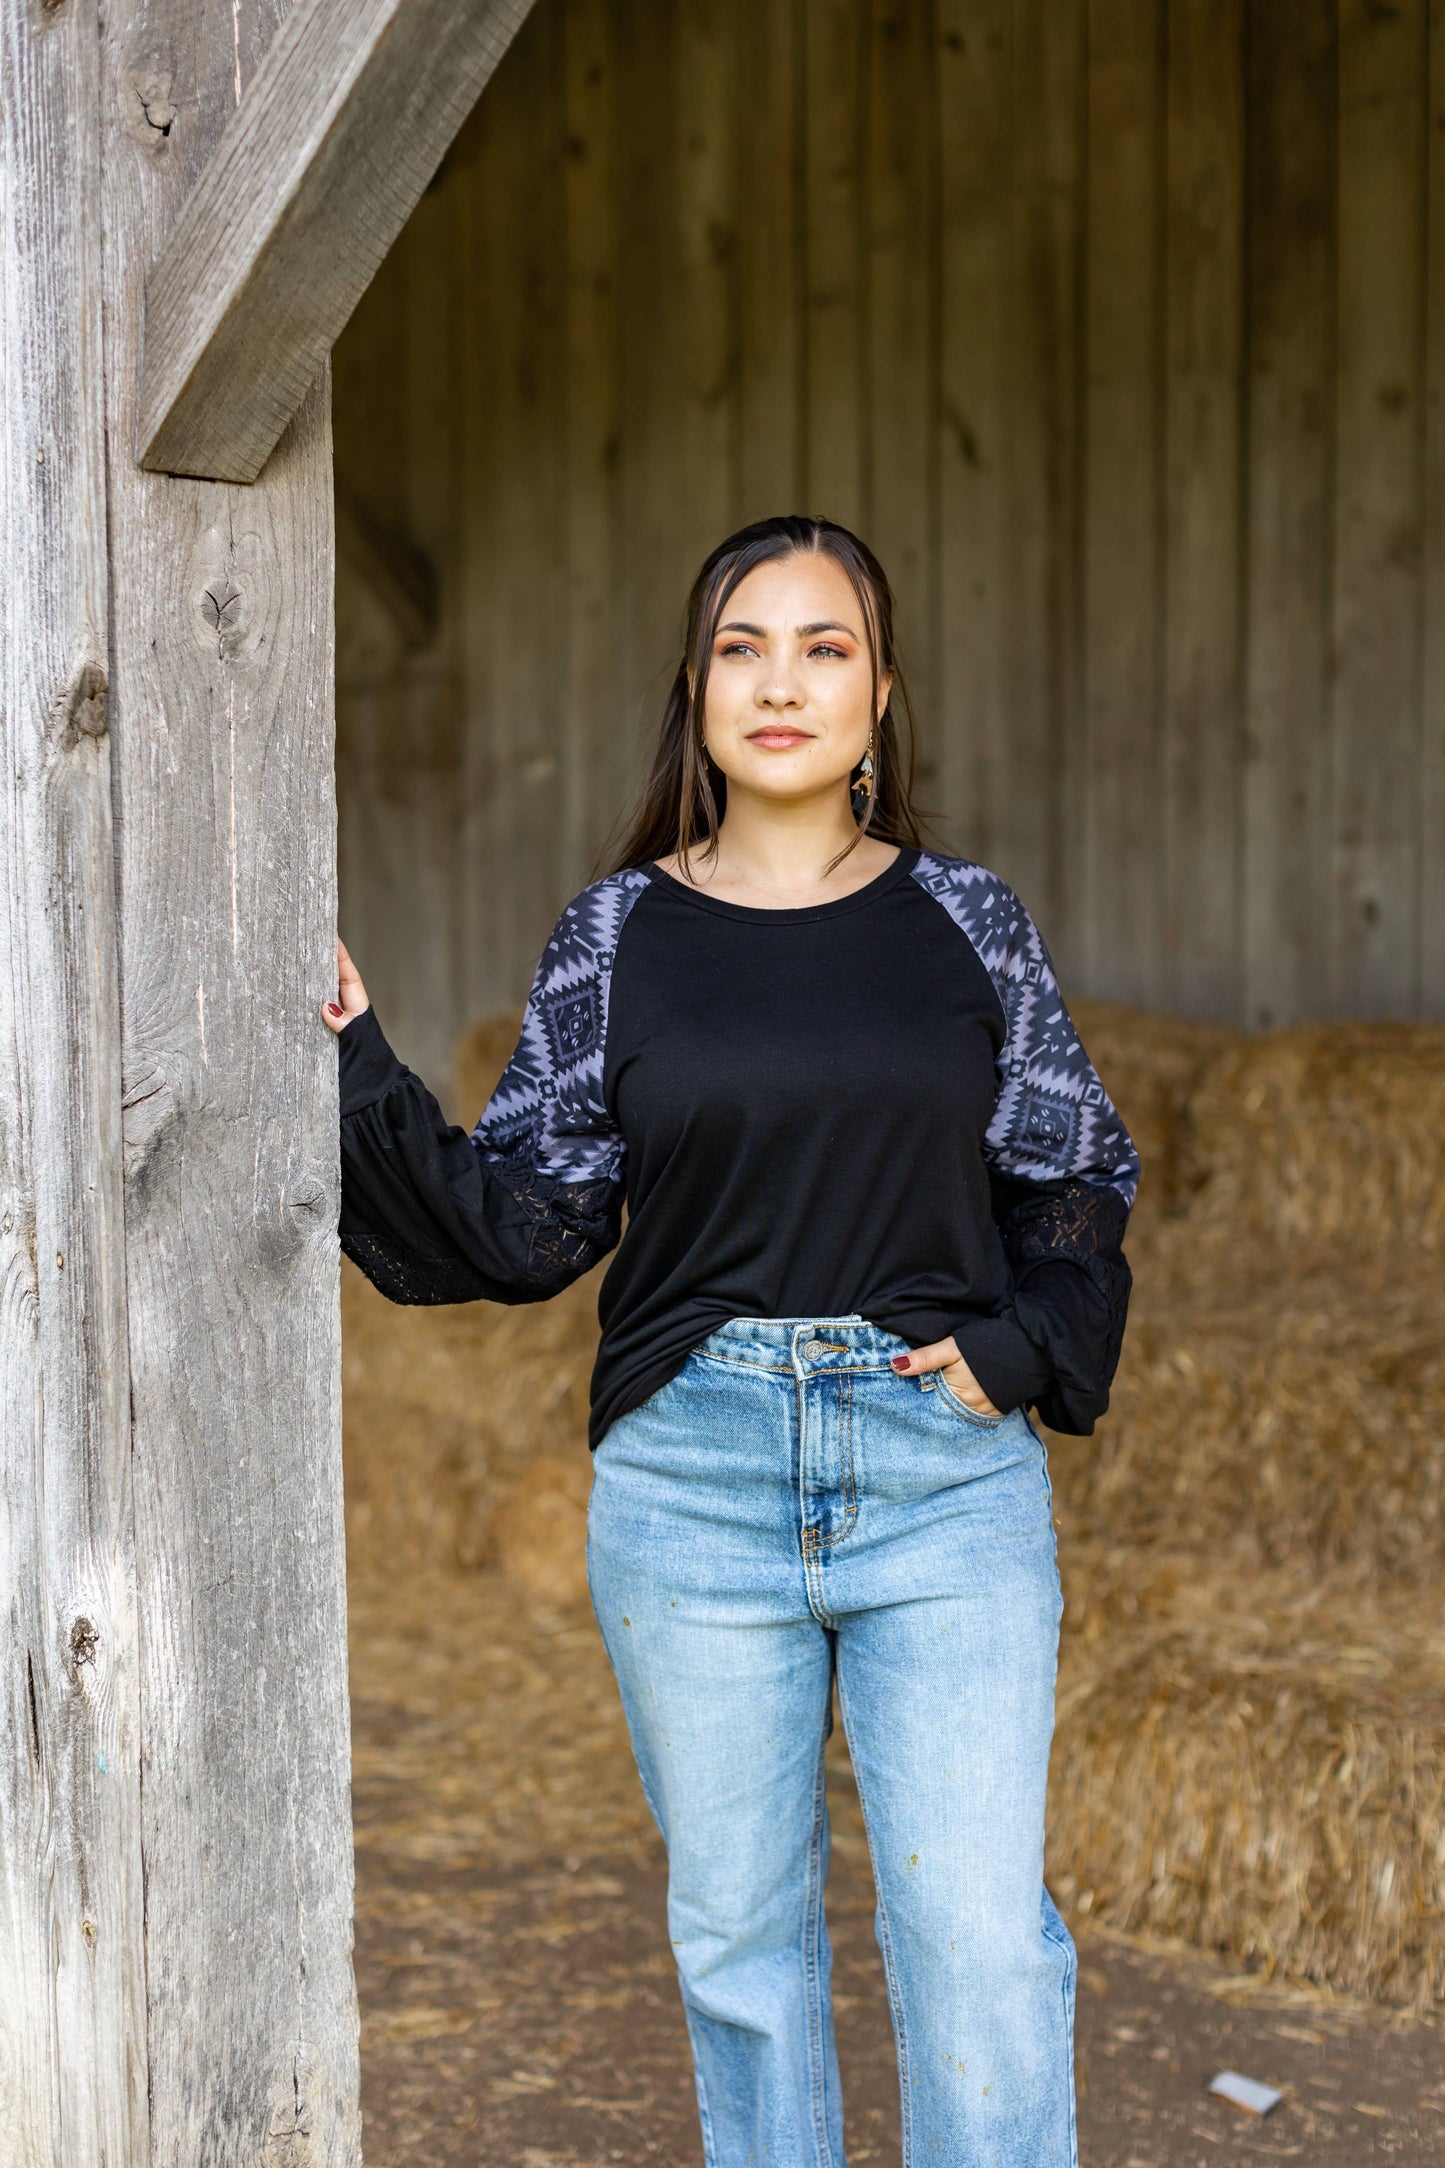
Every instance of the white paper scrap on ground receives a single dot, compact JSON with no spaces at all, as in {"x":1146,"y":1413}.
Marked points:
{"x":1246,"y":2093}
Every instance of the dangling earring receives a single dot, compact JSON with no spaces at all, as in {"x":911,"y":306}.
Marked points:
{"x":863,"y":784}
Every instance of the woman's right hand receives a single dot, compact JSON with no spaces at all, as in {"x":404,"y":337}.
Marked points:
{"x":350,"y":993}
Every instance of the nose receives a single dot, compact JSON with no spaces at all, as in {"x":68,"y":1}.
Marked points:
{"x":780,"y":690}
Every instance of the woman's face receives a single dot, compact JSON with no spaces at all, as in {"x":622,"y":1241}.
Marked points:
{"x":789,"y":699}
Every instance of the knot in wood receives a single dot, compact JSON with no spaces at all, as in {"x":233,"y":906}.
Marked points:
{"x":310,"y":1197}
{"x":153,"y":115}
{"x":221,"y":609}
{"x":148,"y":1111}
{"x":84,"y":1641}
{"x":81,"y":708}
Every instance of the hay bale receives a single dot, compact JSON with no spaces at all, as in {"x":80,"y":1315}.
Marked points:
{"x":1324,"y":1143}
{"x":446,"y":1410}
{"x":1151,"y":1067}
{"x":1309,"y":1426}
{"x":1258,"y":1769}
{"x":414,"y":1453}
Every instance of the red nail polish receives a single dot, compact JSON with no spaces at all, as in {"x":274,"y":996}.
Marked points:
{"x":899,"y":1362}
{"x":334,"y":1007}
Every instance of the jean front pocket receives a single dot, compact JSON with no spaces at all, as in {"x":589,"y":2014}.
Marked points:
{"x":951,"y":1401}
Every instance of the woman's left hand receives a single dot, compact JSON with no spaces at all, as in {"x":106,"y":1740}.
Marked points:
{"x":960,"y":1380}
{"x":351,"y":998}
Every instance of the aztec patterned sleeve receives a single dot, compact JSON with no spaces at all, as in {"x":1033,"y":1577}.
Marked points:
{"x":532,"y":1198}
{"x":1063,"y":1172}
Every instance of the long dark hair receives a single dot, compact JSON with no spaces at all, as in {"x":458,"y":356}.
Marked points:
{"x":684,"y":797}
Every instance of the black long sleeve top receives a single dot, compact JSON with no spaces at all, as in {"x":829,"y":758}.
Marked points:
{"x":878,"y":1106}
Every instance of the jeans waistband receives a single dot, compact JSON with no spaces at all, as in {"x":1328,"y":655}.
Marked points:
{"x":803,"y":1345}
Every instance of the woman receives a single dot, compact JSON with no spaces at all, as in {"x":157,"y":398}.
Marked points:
{"x":875,"y":1197}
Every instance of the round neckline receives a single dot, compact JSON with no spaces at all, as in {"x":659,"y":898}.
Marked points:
{"x":791,"y":914}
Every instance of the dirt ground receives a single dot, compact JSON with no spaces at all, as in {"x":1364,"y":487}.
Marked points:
{"x":519,"y":2008}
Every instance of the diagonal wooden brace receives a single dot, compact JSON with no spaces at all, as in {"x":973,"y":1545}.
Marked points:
{"x":339,"y":132}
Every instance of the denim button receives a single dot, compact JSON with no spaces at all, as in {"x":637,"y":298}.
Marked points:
{"x":813,"y":1349}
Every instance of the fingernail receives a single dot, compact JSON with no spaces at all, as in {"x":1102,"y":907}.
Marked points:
{"x":333,"y":1008}
{"x":900,"y":1362}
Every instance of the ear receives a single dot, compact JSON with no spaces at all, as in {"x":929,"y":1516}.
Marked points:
{"x":885,"y":687}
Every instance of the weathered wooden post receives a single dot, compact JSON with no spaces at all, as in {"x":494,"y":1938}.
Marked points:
{"x":221,"y":706}
{"x":72,"y":2060}
{"x":175,"y":1843}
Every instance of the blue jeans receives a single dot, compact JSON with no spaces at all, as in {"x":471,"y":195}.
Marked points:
{"x":787,"y":1511}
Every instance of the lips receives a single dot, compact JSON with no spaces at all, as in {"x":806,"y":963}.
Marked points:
{"x":779,"y":740}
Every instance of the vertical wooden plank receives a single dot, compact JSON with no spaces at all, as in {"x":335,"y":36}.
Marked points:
{"x":1122,"y":886}
{"x":423,"y":764}
{"x":701,"y":307}
{"x":902,"y":365}
{"x":1432,"y":793}
{"x":376,"y":839}
{"x":487,"y":929}
{"x":1039,"y":832}
{"x":72,"y":1980}
{"x":221,"y":690}
{"x":679,"y":325}
{"x":599,"y":753}
{"x":515,"y":577}
{"x":1204,"y":258}
{"x":400,"y":711}
{"x":1289,"y":524}
{"x":652,"y":576}
{"x":1375,"y":718}
{"x":978,"y":415}
{"x":528,"y":673}
{"x":770,"y":91}
{"x":834,"y":368}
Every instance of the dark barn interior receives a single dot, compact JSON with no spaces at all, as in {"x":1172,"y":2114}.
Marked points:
{"x":1118,"y":328}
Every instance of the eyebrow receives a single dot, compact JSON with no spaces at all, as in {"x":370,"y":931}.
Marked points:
{"x":805,"y":631}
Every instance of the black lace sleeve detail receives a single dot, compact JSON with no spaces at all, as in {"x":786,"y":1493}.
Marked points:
{"x":432,"y":1214}
{"x":1064,"y":1241}
{"x":402,"y":1277}
{"x":1076,"y":1219}
{"x":554,"y":1232}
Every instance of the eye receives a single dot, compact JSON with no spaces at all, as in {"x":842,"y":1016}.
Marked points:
{"x":737,"y":647}
{"x":828,"y":648}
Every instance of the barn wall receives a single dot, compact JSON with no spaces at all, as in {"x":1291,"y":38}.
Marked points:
{"x":1118,"y":326}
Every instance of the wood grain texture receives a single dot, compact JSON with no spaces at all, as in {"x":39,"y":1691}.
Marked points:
{"x":1289,"y":515}
{"x":973,"y":72}
{"x":397,"y":673}
{"x":72,"y":1977}
{"x":351,"y":109}
{"x":1432,"y":734}
{"x":650,"y":594}
{"x":221,"y":702}
{"x":1037,"y":848}
{"x":492,"y":961}
{"x":900,"y":238}
{"x":527,"y":572}
{"x":1203,"y":419}
{"x":836,"y":307}
{"x":1121,"y":891}
{"x":699,"y":331}
{"x":771,"y":92}
{"x":432,"y":677}
{"x":599,"y":753}
{"x":1379,"y":406}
